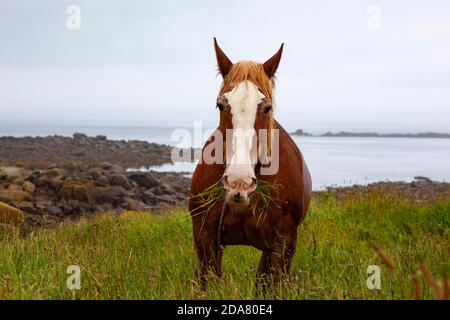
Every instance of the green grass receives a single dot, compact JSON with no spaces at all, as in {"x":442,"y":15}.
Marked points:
{"x":145,"y":256}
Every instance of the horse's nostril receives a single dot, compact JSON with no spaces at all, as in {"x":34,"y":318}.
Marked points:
{"x":252,"y":186}
{"x":237,"y":197}
{"x":225,"y":180}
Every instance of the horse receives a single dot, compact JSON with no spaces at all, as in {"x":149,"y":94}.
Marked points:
{"x":225,"y":205}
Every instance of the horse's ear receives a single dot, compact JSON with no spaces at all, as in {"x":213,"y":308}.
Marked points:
{"x":271,"y":65}
{"x":223,"y":62}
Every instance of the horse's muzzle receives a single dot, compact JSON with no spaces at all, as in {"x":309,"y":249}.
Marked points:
{"x":238,"y":188}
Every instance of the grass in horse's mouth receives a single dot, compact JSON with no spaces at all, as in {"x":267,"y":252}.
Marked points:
{"x":266,"y":193}
{"x":209,"y":197}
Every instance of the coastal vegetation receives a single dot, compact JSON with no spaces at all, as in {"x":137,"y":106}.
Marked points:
{"x":137,"y":255}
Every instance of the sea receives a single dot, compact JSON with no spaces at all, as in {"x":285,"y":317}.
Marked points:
{"x":333,"y":161}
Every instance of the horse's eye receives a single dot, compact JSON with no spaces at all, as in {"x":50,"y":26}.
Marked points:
{"x":219,"y":107}
{"x":267,"y":108}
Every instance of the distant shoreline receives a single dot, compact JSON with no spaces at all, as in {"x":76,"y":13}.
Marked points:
{"x":346,"y":134}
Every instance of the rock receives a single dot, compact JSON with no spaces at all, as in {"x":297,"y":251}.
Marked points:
{"x":10,"y":215}
{"x":40,"y":165}
{"x":53,"y":173}
{"x":77,"y":190}
{"x":421,"y":178}
{"x":143,"y":180}
{"x":166,"y":198}
{"x":158,"y":191}
{"x":149,"y":197}
{"x":83,"y":209}
{"x":119,"y":180}
{"x":70,"y":165}
{"x":28,"y":187}
{"x":105,"y":207}
{"x":54,"y":210}
{"x":69,"y":207}
{"x":56,"y":184}
{"x":34,"y":176}
{"x":95,"y":174}
{"x":301,"y":133}
{"x":114,"y":194}
{"x":103,"y":180}
{"x":28,"y":207}
{"x":14,"y":193}
{"x":52,"y":166}
{"x":42,"y":203}
{"x":47,"y":179}
{"x":133,"y":205}
{"x":167,"y":189}
{"x":42,"y":182}
{"x":133,"y":184}
{"x":116,"y":169}
{"x":80,"y":136}
{"x":104,"y":165}
{"x":13,"y":174}
{"x":73,"y":203}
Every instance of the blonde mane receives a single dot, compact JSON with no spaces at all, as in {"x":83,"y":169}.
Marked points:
{"x":251,"y":71}
{"x":254,"y":72}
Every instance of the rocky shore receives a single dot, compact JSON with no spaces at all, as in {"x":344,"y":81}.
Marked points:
{"x":346,"y":134}
{"x":73,"y":190}
{"x":421,"y":190}
{"x":51,"y":179}
{"x":39,"y":152}
{"x":422,"y":135}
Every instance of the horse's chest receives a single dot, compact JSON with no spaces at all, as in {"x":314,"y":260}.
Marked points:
{"x":246,"y":229}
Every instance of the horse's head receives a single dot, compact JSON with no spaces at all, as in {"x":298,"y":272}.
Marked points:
{"x":246,"y":117}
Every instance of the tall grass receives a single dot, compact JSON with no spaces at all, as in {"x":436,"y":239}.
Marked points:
{"x":143,"y":256}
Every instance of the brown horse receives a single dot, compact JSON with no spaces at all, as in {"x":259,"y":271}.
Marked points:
{"x":242,"y":214}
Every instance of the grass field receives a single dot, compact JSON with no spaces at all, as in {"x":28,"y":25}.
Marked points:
{"x":141,"y":256}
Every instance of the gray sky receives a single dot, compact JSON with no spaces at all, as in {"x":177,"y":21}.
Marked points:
{"x":152,"y":62}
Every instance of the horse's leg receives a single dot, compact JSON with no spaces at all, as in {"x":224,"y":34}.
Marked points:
{"x":275,"y":264}
{"x":209,"y":255}
{"x":264,"y":272}
{"x":282,"y":255}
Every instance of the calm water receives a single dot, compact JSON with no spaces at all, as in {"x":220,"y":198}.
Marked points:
{"x":332,"y":161}
{"x":348,"y":161}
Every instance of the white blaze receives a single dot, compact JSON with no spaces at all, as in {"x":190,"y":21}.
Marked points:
{"x":243,"y":100}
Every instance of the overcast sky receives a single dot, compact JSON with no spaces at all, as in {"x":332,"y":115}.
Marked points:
{"x":152,"y":62}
